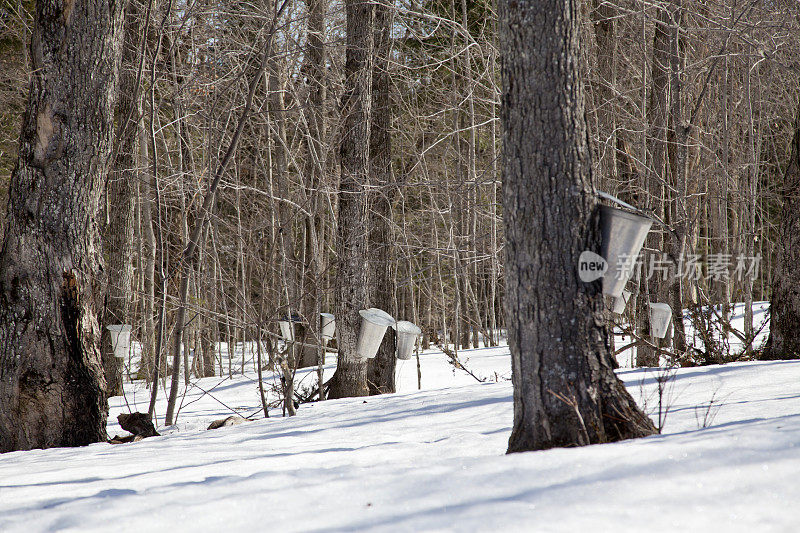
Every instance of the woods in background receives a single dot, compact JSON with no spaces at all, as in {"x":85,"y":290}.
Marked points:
{"x":367,"y":171}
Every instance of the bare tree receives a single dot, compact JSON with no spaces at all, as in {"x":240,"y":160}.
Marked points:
{"x":565,"y":390}
{"x":351,"y":280}
{"x":121,"y":192}
{"x":784,"y":335}
{"x":383,"y":283}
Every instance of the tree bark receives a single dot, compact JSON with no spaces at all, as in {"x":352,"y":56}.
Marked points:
{"x":118,"y":241}
{"x":784,"y":334}
{"x":603,"y":15}
{"x":52,"y":388}
{"x":381,"y":369}
{"x":316,"y":165}
{"x":683,"y":215}
{"x":654,"y":288}
{"x":565,"y":391}
{"x":351,"y":279}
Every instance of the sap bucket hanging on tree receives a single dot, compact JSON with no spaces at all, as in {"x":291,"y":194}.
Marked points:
{"x":660,"y":315}
{"x":373,"y":327}
{"x":287,"y":327}
{"x":620,"y":302}
{"x":623,"y":236}
{"x":120,"y":339}
{"x":328,"y":326}
{"x":407,"y":334}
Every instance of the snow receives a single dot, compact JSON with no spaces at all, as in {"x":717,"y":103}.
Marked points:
{"x":428,"y":460}
{"x":735,"y":345}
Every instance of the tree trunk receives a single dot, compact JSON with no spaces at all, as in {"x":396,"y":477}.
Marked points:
{"x":316,"y":165}
{"x":654,"y":288}
{"x":683,"y":213}
{"x":381,"y":369}
{"x":351,"y":279}
{"x":148,"y":261}
{"x":603,"y":15}
{"x":784,"y":335}
{"x":118,"y":241}
{"x":565,"y":391}
{"x":52,"y":389}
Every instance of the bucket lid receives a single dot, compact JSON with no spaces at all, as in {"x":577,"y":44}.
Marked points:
{"x":404,"y":326}
{"x":119,"y":328}
{"x":376,"y":316}
{"x":327,"y":315}
{"x":295,"y":318}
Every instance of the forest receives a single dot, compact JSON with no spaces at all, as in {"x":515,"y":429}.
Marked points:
{"x":219,"y":182}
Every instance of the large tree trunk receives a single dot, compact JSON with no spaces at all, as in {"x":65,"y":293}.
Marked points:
{"x":351,"y":279}
{"x":118,"y":237}
{"x":52,"y":389}
{"x":381,"y":369}
{"x":784,"y":335}
{"x":565,"y":391}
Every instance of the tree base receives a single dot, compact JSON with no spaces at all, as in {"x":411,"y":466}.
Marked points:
{"x":349,"y":380}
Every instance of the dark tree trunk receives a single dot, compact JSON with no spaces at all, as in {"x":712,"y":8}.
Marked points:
{"x":654,"y":289}
{"x":683,"y":212}
{"x":565,"y":391}
{"x":118,"y":236}
{"x":316,"y":165}
{"x":603,"y":15}
{"x":784,"y":335}
{"x":350,"y":378}
{"x":52,"y":389}
{"x":381,"y":369}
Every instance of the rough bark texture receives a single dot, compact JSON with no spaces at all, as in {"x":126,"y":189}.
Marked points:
{"x":381,"y":369}
{"x":683,"y":210}
{"x":654,"y":288}
{"x":118,"y":236}
{"x":565,"y":391}
{"x":52,"y":389}
{"x":784,"y":335}
{"x":351,"y":280}
{"x":316,"y":144}
{"x":603,"y":15}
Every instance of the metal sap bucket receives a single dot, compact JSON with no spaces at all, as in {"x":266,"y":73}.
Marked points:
{"x":120,"y":339}
{"x":407,"y":334}
{"x":660,"y":315}
{"x":620,"y":302}
{"x":623,"y":236}
{"x":287,"y":327}
{"x":373,"y":327}
{"x":328,"y":322}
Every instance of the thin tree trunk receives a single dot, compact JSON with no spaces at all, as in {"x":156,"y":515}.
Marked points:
{"x":655,"y":174}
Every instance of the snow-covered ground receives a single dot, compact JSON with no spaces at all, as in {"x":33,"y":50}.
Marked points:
{"x":736,"y":317}
{"x":429,"y":460}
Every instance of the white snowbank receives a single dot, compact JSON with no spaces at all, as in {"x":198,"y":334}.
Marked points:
{"x":430,"y":460}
